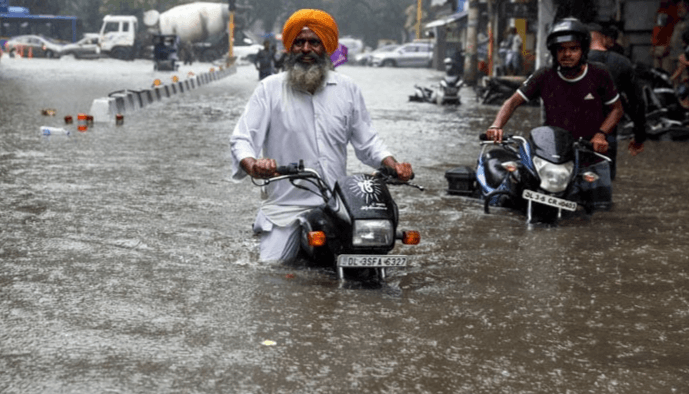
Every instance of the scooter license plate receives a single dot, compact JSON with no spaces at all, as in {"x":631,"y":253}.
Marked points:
{"x":364,"y":260}
{"x":549,"y":200}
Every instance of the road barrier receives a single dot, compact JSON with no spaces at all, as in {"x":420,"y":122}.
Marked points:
{"x":106,"y":109}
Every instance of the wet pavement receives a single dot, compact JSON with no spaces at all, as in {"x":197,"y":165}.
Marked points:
{"x":127,"y":263}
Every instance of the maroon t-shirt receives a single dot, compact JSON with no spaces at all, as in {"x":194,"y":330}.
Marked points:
{"x":577,"y":105}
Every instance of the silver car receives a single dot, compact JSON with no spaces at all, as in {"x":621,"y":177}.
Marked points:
{"x":364,"y":59}
{"x":413,"y":54}
{"x":33,"y":46}
{"x":86,"y":48}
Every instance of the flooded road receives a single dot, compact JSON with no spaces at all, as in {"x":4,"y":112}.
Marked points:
{"x":128,"y":265}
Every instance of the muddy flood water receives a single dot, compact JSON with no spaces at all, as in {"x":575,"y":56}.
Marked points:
{"x":128,"y":265}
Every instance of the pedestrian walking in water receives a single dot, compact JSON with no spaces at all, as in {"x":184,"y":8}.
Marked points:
{"x":264,"y":61}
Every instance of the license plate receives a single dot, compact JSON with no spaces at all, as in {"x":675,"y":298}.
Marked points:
{"x":549,"y":200}
{"x":364,"y":260}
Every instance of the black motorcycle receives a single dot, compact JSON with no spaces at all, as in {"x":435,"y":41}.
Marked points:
{"x":666,"y":118}
{"x":545,"y":175}
{"x":356,"y":227}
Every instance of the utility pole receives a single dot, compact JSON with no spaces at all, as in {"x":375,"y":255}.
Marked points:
{"x":419,"y":16}
{"x":471,"y":53}
{"x":230,"y":32}
{"x":546,"y":15}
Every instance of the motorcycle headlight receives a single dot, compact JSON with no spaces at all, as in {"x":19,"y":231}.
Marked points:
{"x":443,"y":83}
{"x":554,"y":177}
{"x":373,"y":233}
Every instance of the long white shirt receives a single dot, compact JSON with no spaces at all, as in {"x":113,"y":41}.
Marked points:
{"x":290,"y":125}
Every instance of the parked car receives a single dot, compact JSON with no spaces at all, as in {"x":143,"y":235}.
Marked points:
{"x":365,"y":58}
{"x":413,"y":54}
{"x":86,"y":48}
{"x":31,"y":45}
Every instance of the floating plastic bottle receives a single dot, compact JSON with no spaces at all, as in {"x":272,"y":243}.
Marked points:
{"x":47,"y":130}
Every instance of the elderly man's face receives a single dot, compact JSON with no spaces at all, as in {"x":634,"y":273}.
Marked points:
{"x":308,"y":43}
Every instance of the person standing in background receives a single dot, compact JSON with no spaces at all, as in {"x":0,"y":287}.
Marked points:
{"x":264,"y":61}
{"x":666,"y":17}
{"x":514,"y":55}
{"x":677,"y":46}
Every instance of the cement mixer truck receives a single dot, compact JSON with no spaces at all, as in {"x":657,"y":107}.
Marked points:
{"x":201,"y":24}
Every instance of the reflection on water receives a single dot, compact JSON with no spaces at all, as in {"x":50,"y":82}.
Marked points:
{"x":128,"y":265}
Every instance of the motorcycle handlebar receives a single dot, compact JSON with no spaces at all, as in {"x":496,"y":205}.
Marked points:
{"x":390,"y":172}
{"x":585,"y":144}
{"x":484,"y":137}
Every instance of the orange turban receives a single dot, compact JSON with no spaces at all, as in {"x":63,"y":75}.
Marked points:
{"x":319,"y":21}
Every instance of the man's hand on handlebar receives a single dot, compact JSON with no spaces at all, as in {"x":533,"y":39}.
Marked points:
{"x":494,"y":133}
{"x":599,"y":142}
{"x":404,"y":171}
{"x":261,"y":168}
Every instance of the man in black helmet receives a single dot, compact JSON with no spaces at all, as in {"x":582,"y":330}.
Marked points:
{"x":577,"y":96}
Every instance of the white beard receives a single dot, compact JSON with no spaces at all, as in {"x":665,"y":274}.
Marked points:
{"x":304,"y":76}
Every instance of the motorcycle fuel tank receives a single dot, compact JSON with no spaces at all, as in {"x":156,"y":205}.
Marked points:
{"x":366,"y":197}
{"x":552,"y":144}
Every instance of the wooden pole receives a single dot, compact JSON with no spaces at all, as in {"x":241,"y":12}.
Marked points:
{"x":419,"y":16}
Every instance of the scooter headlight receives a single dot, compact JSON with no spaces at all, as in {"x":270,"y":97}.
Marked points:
{"x":443,"y":83}
{"x":554,"y":177}
{"x":373,"y":233}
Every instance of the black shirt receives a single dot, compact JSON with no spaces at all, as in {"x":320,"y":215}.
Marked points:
{"x":622,"y":72}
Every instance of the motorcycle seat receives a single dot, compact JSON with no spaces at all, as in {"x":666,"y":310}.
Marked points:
{"x":495,"y":172}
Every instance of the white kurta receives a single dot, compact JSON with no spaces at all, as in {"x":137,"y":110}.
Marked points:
{"x":290,"y":125}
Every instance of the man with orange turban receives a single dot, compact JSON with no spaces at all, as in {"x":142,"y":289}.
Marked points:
{"x":308,"y":112}
{"x":317,"y":21}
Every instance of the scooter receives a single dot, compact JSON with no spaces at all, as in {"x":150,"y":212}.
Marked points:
{"x":356,"y":227}
{"x":447,"y":91}
{"x":545,"y":176}
{"x":495,"y":90}
{"x":423,"y":94}
{"x":450,"y":84}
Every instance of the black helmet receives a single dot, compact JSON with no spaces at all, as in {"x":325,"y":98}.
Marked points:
{"x":569,"y":29}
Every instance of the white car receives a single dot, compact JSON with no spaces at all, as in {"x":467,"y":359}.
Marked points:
{"x":413,"y":54}
{"x":365,"y":58}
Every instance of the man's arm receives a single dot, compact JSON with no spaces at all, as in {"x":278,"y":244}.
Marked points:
{"x":600,"y":145}
{"x":508,"y":107}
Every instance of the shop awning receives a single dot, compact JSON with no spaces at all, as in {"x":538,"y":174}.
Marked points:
{"x":447,"y":20}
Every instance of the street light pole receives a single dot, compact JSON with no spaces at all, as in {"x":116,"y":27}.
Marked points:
{"x":471,"y":59}
{"x":419,"y":16}
{"x":230,"y":32}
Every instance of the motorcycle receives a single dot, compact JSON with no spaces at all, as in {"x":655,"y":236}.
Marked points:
{"x":356,"y":227}
{"x":666,"y":118}
{"x":447,"y":91}
{"x":545,"y":175}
